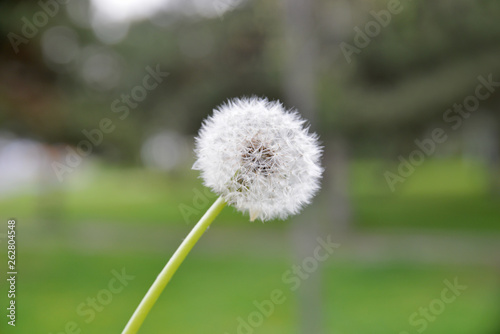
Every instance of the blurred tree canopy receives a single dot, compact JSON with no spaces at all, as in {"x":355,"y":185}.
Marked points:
{"x":427,"y":58}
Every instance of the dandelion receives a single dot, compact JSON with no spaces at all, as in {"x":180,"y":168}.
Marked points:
{"x":258,"y":157}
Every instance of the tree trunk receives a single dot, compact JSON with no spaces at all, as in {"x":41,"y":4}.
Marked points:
{"x":300,"y":89}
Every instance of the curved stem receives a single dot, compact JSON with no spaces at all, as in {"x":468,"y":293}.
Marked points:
{"x":175,"y":261}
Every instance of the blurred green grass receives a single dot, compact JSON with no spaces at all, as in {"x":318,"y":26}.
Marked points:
{"x":441,"y":194}
{"x":214,"y":287}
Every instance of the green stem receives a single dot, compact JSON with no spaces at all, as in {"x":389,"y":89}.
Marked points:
{"x":175,"y":261}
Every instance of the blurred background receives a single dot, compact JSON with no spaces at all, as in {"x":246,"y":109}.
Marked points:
{"x":100,"y":101}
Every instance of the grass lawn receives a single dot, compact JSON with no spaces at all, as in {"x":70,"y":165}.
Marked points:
{"x":57,"y":283}
{"x":209,"y":293}
{"x":440,"y":194}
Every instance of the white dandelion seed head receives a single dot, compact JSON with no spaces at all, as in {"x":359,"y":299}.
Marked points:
{"x":259,"y":157}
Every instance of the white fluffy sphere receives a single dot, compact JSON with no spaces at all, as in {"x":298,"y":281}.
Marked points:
{"x":259,"y":157}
